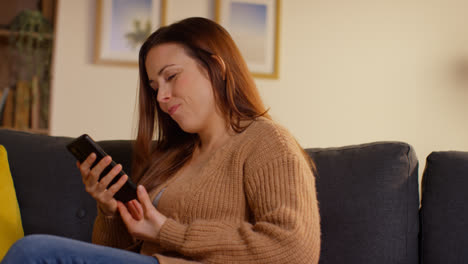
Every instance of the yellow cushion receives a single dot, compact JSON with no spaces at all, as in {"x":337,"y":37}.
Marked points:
{"x":11,"y":228}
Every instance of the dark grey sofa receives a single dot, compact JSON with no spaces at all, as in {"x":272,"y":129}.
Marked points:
{"x":444,"y":208}
{"x":368,"y":196}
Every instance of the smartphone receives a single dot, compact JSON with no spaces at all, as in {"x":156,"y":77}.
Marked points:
{"x":83,"y":146}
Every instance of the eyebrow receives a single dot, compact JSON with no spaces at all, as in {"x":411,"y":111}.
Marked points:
{"x":161,"y":71}
{"x":163,"y":68}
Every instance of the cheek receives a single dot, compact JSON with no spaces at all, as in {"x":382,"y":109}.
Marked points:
{"x":196,"y":90}
{"x":205,"y":96}
{"x":182,"y":87}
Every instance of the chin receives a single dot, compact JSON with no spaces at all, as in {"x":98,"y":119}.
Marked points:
{"x":187,"y":127}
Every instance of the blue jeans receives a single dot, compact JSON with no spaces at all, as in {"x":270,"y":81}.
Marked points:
{"x":52,"y":249}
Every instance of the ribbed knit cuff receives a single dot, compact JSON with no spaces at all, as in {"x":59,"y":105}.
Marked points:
{"x":110,"y":231}
{"x":110,"y":222}
{"x":172,"y":260}
{"x":172,"y":235}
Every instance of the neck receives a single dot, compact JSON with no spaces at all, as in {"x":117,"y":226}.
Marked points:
{"x":214,"y":136}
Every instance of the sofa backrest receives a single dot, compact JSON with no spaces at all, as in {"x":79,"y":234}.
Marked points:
{"x":444,"y":208}
{"x":368,"y":200}
{"x":368,"y":195}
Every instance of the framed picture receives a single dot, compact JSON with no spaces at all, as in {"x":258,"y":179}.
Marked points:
{"x":254,"y":26}
{"x":122,"y":26}
{"x":177,"y":10}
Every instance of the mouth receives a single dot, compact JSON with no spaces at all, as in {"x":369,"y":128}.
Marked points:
{"x":172,"y":109}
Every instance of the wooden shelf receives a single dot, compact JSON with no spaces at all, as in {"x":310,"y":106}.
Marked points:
{"x":42,"y":131}
{"x":7,"y":33}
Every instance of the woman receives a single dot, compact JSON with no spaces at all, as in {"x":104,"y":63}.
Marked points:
{"x":226,"y":184}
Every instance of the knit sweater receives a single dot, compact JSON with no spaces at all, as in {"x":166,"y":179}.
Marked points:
{"x":253,"y":202}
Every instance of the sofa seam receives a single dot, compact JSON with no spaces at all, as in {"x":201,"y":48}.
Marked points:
{"x":358,"y":146}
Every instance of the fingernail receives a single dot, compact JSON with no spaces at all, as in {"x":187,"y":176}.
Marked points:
{"x":140,"y":188}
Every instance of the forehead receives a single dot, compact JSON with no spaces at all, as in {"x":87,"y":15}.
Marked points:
{"x":165,"y":54}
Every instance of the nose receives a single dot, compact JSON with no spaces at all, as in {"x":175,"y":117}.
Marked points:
{"x":164,"y":94}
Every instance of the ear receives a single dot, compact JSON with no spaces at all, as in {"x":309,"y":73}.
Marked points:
{"x":221,"y":62}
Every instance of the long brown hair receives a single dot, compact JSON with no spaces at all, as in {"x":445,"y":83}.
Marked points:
{"x":161,"y":147}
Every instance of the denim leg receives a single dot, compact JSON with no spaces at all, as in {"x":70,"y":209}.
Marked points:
{"x":35,"y":249}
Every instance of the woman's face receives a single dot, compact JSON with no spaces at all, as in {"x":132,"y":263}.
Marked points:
{"x":184,"y":90}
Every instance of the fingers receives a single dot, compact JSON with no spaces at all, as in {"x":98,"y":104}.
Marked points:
{"x":132,"y":209}
{"x":98,"y":188}
{"x":102,"y":193}
{"x":126,"y":216}
{"x":135,"y":209}
{"x":107,"y":179}
{"x":97,"y":170}
{"x":149,"y":225}
{"x":144,"y":199}
{"x":139,"y":208}
{"x":118,"y":185}
{"x":90,"y":175}
{"x":96,"y":185}
{"x":90,"y":160}
{"x":85,"y":167}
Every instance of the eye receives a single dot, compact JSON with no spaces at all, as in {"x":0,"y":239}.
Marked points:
{"x":171,"y":77}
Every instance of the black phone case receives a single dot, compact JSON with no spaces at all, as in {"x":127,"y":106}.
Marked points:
{"x":83,"y":146}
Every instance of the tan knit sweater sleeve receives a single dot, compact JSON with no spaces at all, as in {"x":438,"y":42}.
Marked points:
{"x":111,"y":231}
{"x":280,"y":191}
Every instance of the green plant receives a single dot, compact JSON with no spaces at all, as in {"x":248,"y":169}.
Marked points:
{"x":31,"y":50}
{"x":32,"y":38}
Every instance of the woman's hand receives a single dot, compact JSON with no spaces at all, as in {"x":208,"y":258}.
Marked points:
{"x":98,"y":188}
{"x":142,"y":219}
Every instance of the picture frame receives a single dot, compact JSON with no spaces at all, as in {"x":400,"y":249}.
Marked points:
{"x":121,"y":28}
{"x":177,"y":10}
{"x":254,"y":26}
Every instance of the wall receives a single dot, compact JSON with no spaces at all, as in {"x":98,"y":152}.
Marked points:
{"x":350,"y":72}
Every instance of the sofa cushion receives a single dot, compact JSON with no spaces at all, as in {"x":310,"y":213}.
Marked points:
{"x":444,"y":208}
{"x":10,"y":218}
{"x":368,"y":200}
